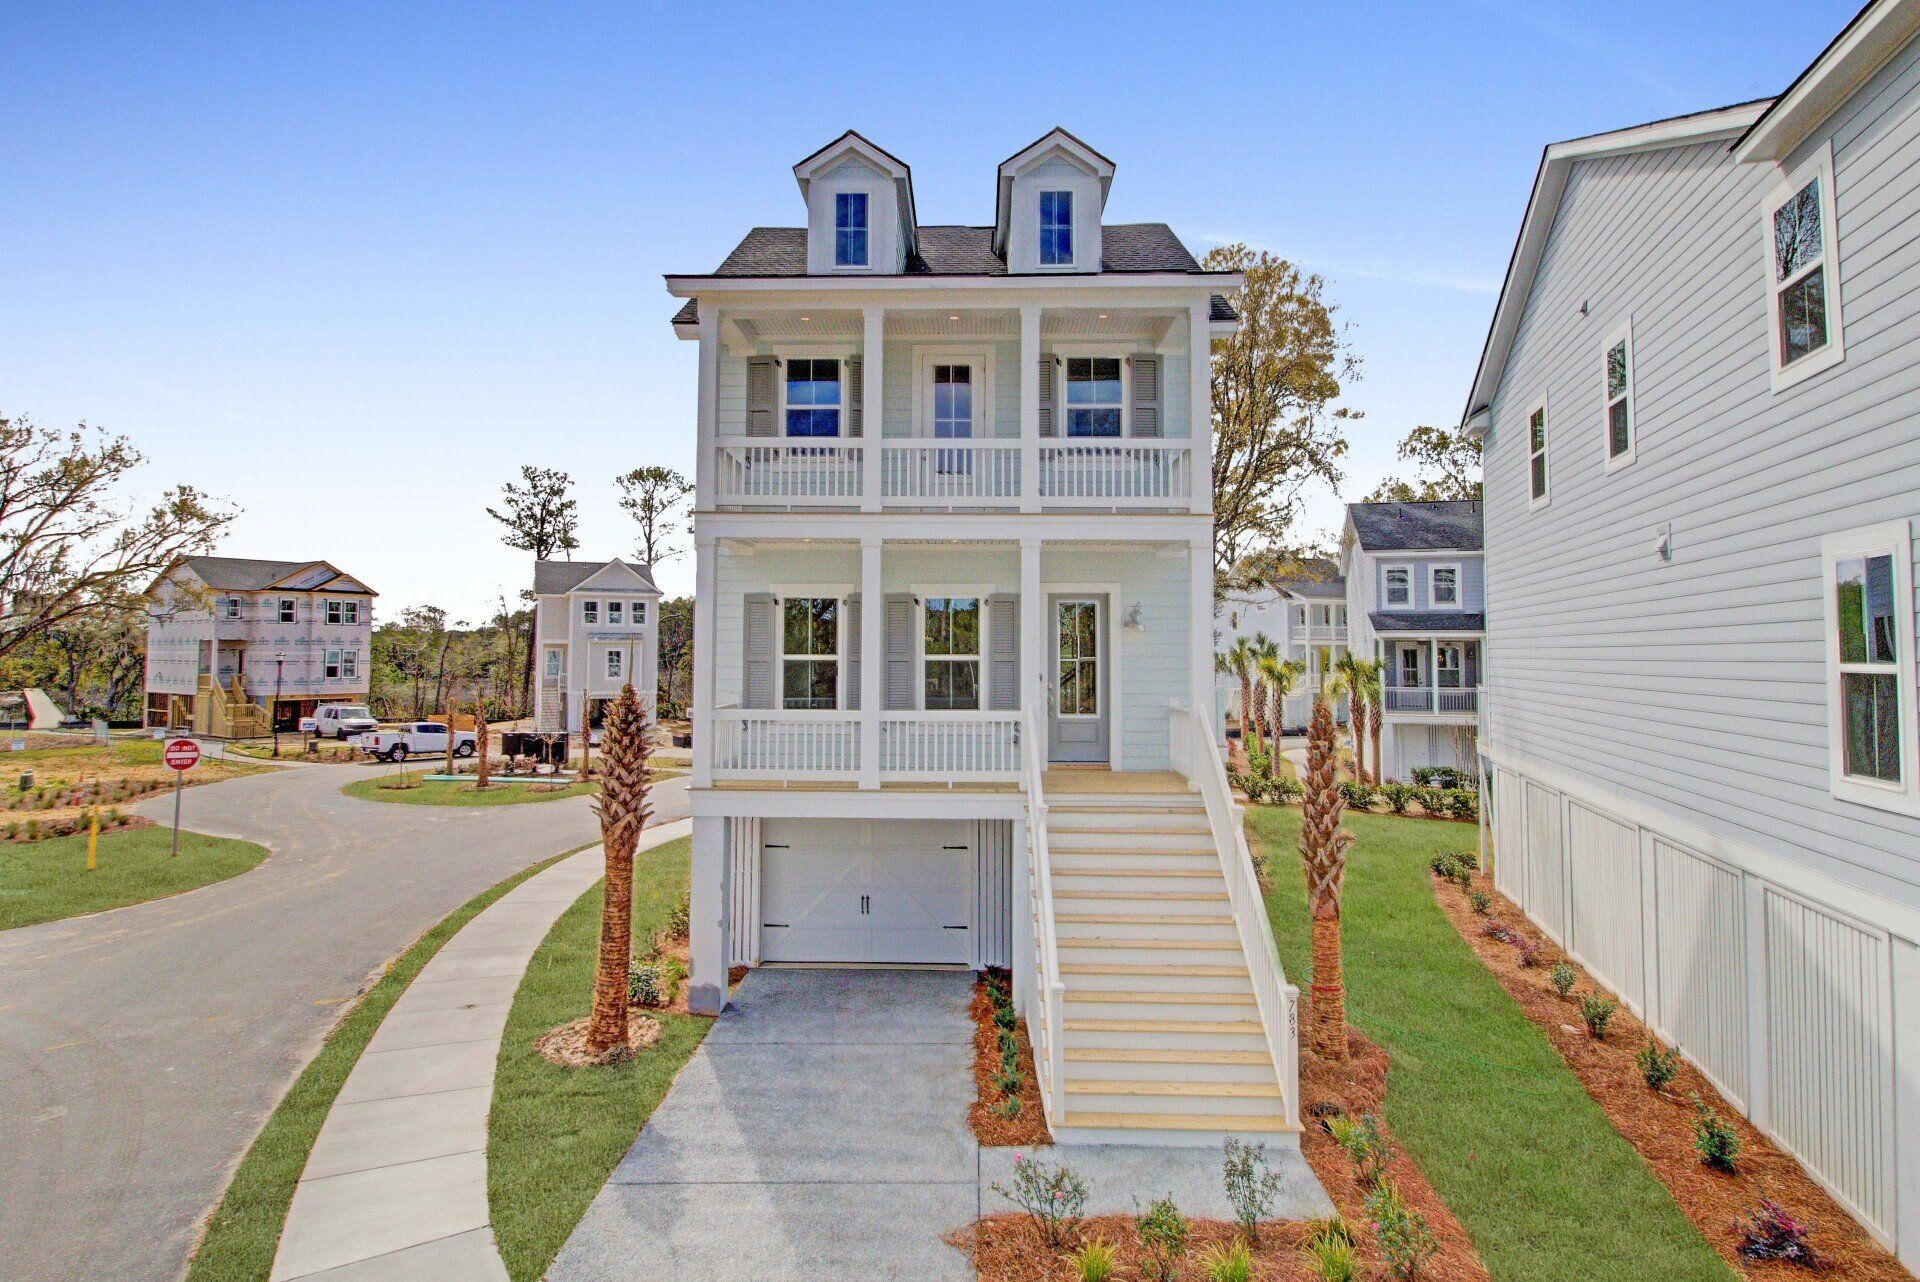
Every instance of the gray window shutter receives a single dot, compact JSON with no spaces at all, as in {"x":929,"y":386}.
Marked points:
{"x":850,"y":646}
{"x":1046,"y":397}
{"x":899,"y":645}
{"x":763,"y":401}
{"x":1003,"y":653}
{"x":853,"y":400}
{"x":758,"y":688}
{"x":1144,"y":394}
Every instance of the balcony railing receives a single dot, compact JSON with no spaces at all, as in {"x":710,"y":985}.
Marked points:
{"x":757,"y":470}
{"x":1088,"y":475}
{"x":944,"y":746}
{"x":780,"y":745}
{"x":951,"y":472}
{"x":914,"y":747}
{"x":1444,"y":701}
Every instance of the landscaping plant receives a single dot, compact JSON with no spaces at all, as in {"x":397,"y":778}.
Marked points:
{"x":1323,"y":856}
{"x":1563,"y":977}
{"x":1365,"y":1144}
{"x":1095,"y":1261}
{"x":1237,"y":663}
{"x":1054,"y":1197}
{"x":1772,"y":1234}
{"x":1526,"y":952}
{"x":1330,"y":1251}
{"x":1657,"y":1066}
{"x":1228,"y":1264}
{"x":1356,"y":794}
{"x":1401,"y":1233}
{"x":1251,"y":1187}
{"x":1596,"y":1012}
{"x":622,"y":809}
{"x":1479,"y":902}
{"x":480,"y":737}
{"x":1717,"y":1143}
{"x":1163,"y":1236}
{"x":1398,"y":796}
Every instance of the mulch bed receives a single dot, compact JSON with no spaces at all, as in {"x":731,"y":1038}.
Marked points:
{"x":992,"y":1128}
{"x":1659,"y":1124}
{"x":567,"y":1044}
{"x":1008,"y":1248}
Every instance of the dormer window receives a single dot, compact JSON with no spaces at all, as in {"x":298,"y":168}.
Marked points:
{"x":850,"y":229}
{"x":1056,"y":228}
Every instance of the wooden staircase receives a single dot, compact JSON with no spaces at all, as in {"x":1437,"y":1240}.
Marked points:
{"x":1162,"y":1037}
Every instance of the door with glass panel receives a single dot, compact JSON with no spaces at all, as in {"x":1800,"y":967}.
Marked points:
{"x":952,"y":417}
{"x":1078,"y":717}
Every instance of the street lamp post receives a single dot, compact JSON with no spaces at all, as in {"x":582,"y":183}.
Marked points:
{"x":279,"y":671}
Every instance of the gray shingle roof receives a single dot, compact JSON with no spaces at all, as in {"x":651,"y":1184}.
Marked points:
{"x":1452,"y":525}
{"x":1334,"y":589}
{"x":1426,"y":621}
{"x":552,"y":578}
{"x":1222,"y":311}
{"x":947,"y":250}
{"x":244,"y":574}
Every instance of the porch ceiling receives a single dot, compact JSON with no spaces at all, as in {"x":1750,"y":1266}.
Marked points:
{"x":1133,"y":325}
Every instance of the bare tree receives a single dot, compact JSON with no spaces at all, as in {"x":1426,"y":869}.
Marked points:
{"x":623,"y":812}
{"x":653,"y":497}
{"x":69,"y":546}
{"x":541,"y":518}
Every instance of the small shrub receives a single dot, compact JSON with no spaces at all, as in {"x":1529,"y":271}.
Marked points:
{"x":1479,"y":902}
{"x":1330,"y":1253}
{"x":1657,"y":1066}
{"x":1009,"y":1044}
{"x":1009,"y":1083}
{"x":1009,"y":1107}
{"x":1717,"y":1143}
{"x":1398,"y":796}
{"x":1095,"y":1261}
{"x":1054,"y":1198}
{"x":1526,"y":952}
{"x":1288,"y":789}
{"x":1163,"y":1236}
{"x":1357,"y":794}
{"x":1467,"y":859}
{"x":1228,"y":1264}
{"x":1401,"y":1233}
{"x":1003,"y":1018}
{"x":1444,"y":864}
{"x":1772,"y":1234}
{"x":1462,"y":877}
{"x":680,"y":920}
{"x":1597,"y":1012}
{"x":1366,"y":1146}
{"x":33,"y":830}
{"x":1461,"y":803}
{"x":1429,"y":799}
{"x":643,"y":985}
{"x":1251,"y":1187}
{"x":1499,"y":934}
{"x":1423,"y":775}
{"x":1563,"y":977}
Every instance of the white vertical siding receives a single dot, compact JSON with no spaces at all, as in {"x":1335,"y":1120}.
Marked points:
{"x":993,"y":887}
{"x":1700,"y":931}
{"x":1546,"y":862}
{"x":1509,"y":836}
{"x":1603,"y":864}
{"x":1829,"y":1052}
{"x":743,"y":891}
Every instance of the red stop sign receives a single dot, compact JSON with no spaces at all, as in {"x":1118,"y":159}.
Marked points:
{"x":181,"y":754}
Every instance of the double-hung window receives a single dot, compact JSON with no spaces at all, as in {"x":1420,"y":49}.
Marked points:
{"x":810,"y":652}
{"x":1056,"y":228}
{"x":589,"y":612}
{"x":333,"y":665}
{"x":813,"y":397}
{"x":1399,"y":585}
{"x":1804,"y":302}
{"x":639,"y":614}
{"x":553,"y":664}
{"x":950,"y":647}
{"x":850,"y":229}
{"x":1093,"y":396}
{"x":1619,"y":383}
{"x":350,"y":663}
{"x":1444,"y":586}
{"x":1537,"y":456}
{"x":230,"y":607}
{"x":616,"y":664}
{"x":1868,"y":579}
{"x":615,"y":609}
{"x":286,"y":609}
{"x":343,"y":612}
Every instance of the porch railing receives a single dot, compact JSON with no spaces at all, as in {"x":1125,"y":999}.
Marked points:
{"x":1447,"y":700}
{"x":798,"y":472}
{"x":951,"y":472}
{"x":1196,"y":755}
{"x":950,"y":747}
{"x":1116,"y":473}
{"x":785,"y":745}
{"x":1046,"y":1013}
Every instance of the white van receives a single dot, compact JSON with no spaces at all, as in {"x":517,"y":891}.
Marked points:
{"x":340,"y":720}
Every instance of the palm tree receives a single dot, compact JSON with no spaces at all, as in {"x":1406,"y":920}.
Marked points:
{"x":1278,"y":679}
{"x":1323,"y":856}
{"x":1263,"y":647}
{"x":622,"y":808}
{"x":1237,"y":663}
{"x":1351,"y":668}
{"x":1375,"y":676}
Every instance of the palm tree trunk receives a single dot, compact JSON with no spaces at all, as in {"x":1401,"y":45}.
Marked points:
{"x":1373,"y":724}
{"x":622,"y":808}
{"x":1357,"y":724}
{"x":1327,"y":996}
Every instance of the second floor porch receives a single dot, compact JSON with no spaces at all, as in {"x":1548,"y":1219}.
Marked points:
{"x":1435,"y":677}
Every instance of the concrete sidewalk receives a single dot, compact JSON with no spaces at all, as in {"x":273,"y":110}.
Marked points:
{"x":396,"y":1185}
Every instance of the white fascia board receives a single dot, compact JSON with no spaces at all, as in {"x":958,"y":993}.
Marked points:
{"x":959,"y":527}
{"x":1875,"y":35}
{"x":1040,"y":283}
{"x":1543,"y":205}
{"x":929,"y":802}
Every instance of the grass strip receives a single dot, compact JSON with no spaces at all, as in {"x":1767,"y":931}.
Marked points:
{"x":1512,"y":1142}
{"x":244,"y":1232}
{"x":447,"y":793}
{"x":48,"y":880}
{"x":554,"y":1134}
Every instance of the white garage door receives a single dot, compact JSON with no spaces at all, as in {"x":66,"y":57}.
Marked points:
{"x":866,"y":890}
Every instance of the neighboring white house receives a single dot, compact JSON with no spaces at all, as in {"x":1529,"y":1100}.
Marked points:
{"x":1700,"y":402}
{"x":597,"y":628}
{"x":953,"y":659}
{"x":1306,"y":619}
{"x":1416,"y":604}
{"x":228,"y":635}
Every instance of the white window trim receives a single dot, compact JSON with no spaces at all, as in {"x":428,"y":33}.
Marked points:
{"x":555,"y":665}
{"x":638,"y":614}
{"x":1124,"y":353}
{"x":1819,"y":165}
{"x":1546,"y":452}
{"x":229,"y":608}
{"x":1386,"y":586}
{"x":980,"y":359}
{"x":842,"y":352}
{"x":286,"y":610}
{"x":1623,"y":334}
{"x":802,"y":593}
{"x":590,"y":611}
{"x":331,"y":665}
{"x":834,"y":230}
{"x":349,"y":664}
{"x":607,"y":655}
{"x":1073,"y":229}
{"x":616,"y":606}
{"x":1895,"y":539}
{"x":1459,"y":587}
{"x":1102,"y":702}
{"x":979,"y":656}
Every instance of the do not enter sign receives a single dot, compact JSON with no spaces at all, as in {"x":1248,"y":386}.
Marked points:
{"x":181,"y":754}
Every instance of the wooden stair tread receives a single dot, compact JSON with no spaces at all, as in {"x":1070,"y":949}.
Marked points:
{"x":1059,"y":851}
{"x":1200,"y":1090}
{"x":1174,"y":807}
{"x":1174,"y":1122}
{"x":1168,"y":998}
{"x":1130,"y":1055}
{"x":1148,"y":970}
{"x":1204,"y":945}
{"x":1144,"y":919}
{"x":1126,"y":872}
{"x":1185,"y":896}
{"x":1199,"y":1026}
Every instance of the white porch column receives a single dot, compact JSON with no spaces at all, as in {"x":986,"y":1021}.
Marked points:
{"x":705,"y":574}
{"x":1030,"y":409}
{"x":1033,"y":632}
{"x":707,"y":913}
{"x":709,"y":415}
{"x":873,"y":619}
{"x":1200,"y":630}
{"x":872,"y":396}
{"x":1200,"y":406}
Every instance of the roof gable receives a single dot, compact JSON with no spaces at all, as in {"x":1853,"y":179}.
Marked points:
{"x":617,"y":575}
{"x":557,"y":578}
{"x":1054,"y":151}
{"x":852,"y":148}
{"x":251,"y":574}
{"x":1864,"y":45}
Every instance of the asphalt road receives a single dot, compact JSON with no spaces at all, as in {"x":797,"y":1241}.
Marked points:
{"x":142,"y":1049}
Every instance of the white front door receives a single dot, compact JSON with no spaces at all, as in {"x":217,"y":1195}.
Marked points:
{"x":866,"y":890}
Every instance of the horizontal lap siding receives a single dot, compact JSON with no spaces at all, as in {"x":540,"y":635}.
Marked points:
{"x":1604,"y":869}
{"x":1152,"y":658}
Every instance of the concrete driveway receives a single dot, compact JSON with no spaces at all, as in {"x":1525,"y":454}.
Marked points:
{"x":141,"y":1049}
{"x":818,"y":1133}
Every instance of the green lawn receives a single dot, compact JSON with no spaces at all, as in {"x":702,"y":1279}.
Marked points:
{"x":447,"y":793}
{"x":47,"y":880}
{"x":244,"y":1232}
{"x":555,"y":1134}
{"x":1516,"y":1148}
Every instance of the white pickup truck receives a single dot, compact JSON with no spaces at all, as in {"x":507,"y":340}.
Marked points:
{"x":415,"y":738}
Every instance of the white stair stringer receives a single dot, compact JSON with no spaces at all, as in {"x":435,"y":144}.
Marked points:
{"x":1163,"y":1040}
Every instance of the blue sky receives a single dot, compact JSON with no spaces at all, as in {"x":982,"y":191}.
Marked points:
{"x":350,"y":266}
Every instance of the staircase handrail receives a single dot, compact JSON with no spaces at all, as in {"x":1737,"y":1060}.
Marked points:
{"x":1046,"y":1013}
